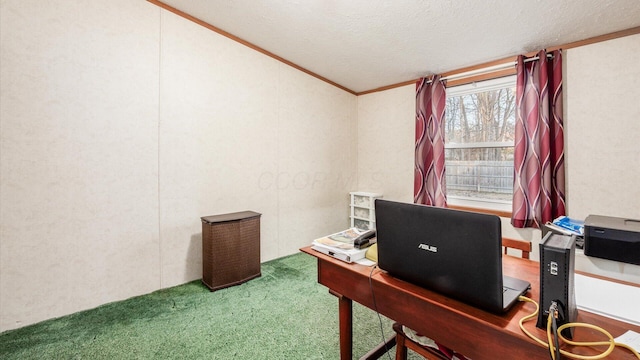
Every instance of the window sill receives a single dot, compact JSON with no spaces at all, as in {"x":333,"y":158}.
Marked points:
{"x":487,"y":207}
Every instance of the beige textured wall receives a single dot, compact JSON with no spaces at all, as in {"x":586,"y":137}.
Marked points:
{"x":603,"y":128}
{"x":386,"y":137}
{"x":242,"y":131}
{"x":78,"y":156}
{"x":602,"y":89}
{"x":122,"y":124}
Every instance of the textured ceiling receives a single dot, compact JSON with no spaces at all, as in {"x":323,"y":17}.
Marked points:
{"x":366,"y":44}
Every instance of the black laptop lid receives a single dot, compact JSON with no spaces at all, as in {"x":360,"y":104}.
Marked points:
{"x":456,"y":253}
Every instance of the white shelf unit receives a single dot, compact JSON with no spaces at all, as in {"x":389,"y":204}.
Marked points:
{"x":363,"y":214}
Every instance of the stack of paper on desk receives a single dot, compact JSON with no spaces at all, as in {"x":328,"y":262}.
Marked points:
{"x":566,"y":225}
{"x":348,"y":255}
{"x":358,"y":238}
{"x":349,"y":245}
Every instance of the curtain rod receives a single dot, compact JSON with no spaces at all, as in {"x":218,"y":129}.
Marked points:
{"x":488,"y":69}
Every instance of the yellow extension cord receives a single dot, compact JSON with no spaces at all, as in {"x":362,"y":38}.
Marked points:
{"x":549,"y":345}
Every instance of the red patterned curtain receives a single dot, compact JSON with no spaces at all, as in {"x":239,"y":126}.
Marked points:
{"x":429,"y":176}
{"x":539,"y":185}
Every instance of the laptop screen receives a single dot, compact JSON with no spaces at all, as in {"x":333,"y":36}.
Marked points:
{"x":456,"y":253}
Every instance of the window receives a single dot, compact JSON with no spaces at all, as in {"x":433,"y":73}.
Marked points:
{"x":479,"y":141}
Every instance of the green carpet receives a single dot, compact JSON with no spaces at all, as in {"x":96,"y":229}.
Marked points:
{"x":284,"y":314}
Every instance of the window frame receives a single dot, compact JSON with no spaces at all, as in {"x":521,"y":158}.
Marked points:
{"x":496,"y":207}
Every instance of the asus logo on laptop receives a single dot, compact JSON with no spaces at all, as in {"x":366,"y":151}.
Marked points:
{"x":433,"y":249}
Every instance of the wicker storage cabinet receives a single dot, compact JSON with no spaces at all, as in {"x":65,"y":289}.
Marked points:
{"x":230,"y":249}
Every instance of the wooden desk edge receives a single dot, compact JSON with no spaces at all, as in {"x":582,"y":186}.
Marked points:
{"x":587,"y":316}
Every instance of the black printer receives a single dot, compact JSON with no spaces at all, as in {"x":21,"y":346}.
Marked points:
{"x":612,"y":238}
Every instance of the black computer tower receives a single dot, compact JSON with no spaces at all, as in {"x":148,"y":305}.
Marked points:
{"x":557,"y":265}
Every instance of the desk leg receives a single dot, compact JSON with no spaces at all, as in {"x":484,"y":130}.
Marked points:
{"x":346,"y":326}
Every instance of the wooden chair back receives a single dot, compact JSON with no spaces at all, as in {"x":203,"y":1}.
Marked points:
{"x":524,"y":246}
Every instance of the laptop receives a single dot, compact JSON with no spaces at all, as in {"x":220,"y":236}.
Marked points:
{"x":456,"y":253}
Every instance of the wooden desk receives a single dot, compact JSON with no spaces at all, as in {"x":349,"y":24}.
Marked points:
{"x":473,"y":332}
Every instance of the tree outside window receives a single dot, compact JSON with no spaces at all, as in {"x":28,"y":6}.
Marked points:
{"x":479,"y":140}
